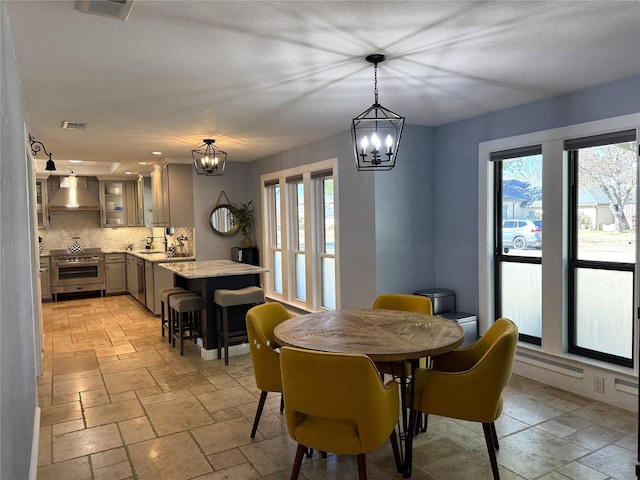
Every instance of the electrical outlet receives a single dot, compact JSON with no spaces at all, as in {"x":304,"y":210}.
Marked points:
{"x":598,"y":384}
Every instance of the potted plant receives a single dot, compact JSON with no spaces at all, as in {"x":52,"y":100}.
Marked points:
{"x":245,"y":218}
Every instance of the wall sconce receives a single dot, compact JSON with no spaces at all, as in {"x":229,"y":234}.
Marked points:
{"x":36,"y":147}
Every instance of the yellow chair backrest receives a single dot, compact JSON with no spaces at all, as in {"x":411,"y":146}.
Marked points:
{"x":261,"y":322}
{"x":337,"y":402}
{"x":404,"y":302}
{"x":468,"y":383}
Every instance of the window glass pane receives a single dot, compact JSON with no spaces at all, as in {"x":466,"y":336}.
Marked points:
{"x":607,"y":203}
{"x":278,"y":218}
{"x":605,"y":311}
{"x":277,"y":271}
{"x":300,"y":216}
{"x":522,"y":296}
{"x":328,"y":267}
{"x":328,"y":217}
{"x":522,"y":206}
{"x":301,"y":283}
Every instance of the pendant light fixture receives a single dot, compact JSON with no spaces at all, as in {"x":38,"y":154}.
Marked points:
{"x":36,"y":147}
{"x":209,"y":160}
{"x":376,"y":132}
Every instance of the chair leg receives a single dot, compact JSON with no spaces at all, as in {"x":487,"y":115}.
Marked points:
{"x":297,"y":463}
{"x":489,"y":429}
{"x":162,"y":319}
{"x":219,"y":329}
{"x":396,"y":450}
{"x":181,"y":332}
{"x":495,"y":436}
{"x":225,"y":334}
{"x":362,"y":467}
{"x":263,"y":398}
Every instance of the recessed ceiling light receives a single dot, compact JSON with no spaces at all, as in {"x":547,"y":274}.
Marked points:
{"x":73,"y":125}
{"x":156,"y":153}
{"x":75,"y":161}
{"x":128,"y":173}
{"x":142,"y":163}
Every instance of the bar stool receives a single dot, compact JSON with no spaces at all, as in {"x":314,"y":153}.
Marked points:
{"x":185,"y":311}
{"x":223,"y":299}
{"x":165,"y":293}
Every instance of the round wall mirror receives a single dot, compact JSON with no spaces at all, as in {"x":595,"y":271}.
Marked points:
{"x":223,"y":219}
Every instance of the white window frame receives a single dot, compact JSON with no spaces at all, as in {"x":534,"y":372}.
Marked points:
{"x":555,"y":251}
{"x":313,"y":222}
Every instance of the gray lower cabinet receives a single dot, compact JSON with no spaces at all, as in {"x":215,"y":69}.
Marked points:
{"x":45,"y":278}
{"x":157,"y":278}
{"x":115,"y":273}
{"x":149,"y":285}
{"x":132,"y":276}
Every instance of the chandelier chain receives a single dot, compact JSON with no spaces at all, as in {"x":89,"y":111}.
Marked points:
{"x":375,"y":82}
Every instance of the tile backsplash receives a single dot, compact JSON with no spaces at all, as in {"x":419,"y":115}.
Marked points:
{"x":63,"y":226}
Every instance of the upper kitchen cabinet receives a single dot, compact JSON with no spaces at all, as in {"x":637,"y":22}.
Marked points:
{"x":121,"y":203}
{"x":41,"y":203}
{"x":172,"y":192}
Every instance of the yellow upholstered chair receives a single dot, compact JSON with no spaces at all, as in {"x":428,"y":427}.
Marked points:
{"x":261,"y":321}
{"x":467,"y":383}
{"x":337,"y":403}
{"x":406,"y":303}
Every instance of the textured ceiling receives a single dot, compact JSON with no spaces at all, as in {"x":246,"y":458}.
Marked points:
{"x":262,"y":77}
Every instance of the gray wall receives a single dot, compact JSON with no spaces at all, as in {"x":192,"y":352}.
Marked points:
{"x":405,"y":204}
{"x":456,"y":171}
{"x":18,"y":274}
{"x":209,"y":245}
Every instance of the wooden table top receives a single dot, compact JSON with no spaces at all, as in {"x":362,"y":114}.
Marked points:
{"x":383,"y":335}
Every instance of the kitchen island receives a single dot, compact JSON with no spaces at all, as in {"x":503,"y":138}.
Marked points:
{"x":203,"y":278}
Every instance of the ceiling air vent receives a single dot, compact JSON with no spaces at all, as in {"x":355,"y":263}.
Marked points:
{"x":117,"y":9}
{"x":73,"y":125}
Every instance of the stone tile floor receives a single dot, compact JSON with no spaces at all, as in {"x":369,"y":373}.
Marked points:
{"x":119,"y":403}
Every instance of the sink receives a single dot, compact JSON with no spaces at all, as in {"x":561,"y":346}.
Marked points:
{"x":147,"y":252}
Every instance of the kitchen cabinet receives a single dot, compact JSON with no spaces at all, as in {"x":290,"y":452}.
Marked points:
{"x":41,"y":203}
{"x":115,"y":273}
{"x":148,"y":284}
{"x":157,"y":278}
{"x":172,"y":195}
{"x":45,"y":278}
{"x":121,"y":203}
{"x":132,"y":275}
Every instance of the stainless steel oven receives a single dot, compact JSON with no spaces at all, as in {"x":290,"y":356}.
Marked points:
{"x":77,"y":272}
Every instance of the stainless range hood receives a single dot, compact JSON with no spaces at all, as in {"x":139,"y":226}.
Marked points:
{"x":73,"y":195}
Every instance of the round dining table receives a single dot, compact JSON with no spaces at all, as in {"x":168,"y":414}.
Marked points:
{"x":382,"y":335}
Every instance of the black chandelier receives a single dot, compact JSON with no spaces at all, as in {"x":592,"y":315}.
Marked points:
{"x":36,"y":147}
{"x":373,"y":127}
{"x":209,"y":160}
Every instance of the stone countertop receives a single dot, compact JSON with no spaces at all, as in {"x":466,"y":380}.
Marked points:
{"x":158,"y":256}
{"x":213,"y":268}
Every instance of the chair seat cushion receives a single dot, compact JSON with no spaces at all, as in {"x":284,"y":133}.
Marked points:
{"x":186,"y":302}
{"x":165,"y":293}
{"x":241,"y":296}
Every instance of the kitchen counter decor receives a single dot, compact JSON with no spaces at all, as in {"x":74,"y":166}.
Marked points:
{"x":74,"y":246}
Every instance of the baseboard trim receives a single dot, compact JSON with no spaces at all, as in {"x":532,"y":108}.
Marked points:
{"x":234,"y":350}
{"x":35,"y":445}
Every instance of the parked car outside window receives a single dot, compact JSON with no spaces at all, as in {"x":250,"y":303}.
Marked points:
{"x":522,"y":234}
